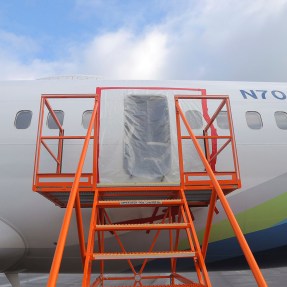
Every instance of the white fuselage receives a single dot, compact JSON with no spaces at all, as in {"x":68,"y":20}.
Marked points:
{"x":30,"y":224}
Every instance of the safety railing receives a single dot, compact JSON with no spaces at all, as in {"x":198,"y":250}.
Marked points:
{"x":229,"y":178}
{"x":57,"y":180}
{"x":217,"y":187}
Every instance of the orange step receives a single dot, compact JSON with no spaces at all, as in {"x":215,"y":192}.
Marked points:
{"x":154,"y":226}
{"x":143,"y":255}
{"x":144,"y":202}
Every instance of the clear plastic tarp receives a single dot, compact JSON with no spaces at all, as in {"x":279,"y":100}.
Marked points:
{"x":138,"y":136}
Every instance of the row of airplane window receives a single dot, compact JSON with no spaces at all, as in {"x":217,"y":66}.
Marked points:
{"x":253,"y":119}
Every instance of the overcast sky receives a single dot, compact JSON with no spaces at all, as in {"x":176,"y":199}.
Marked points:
{"x":144,"y":39}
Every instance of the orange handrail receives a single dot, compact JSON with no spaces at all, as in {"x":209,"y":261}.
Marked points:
{"x":42,"y":140}
{"x":235,"y":226}
{"x":69,"y":209}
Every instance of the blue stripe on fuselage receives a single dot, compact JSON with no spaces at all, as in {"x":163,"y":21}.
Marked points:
{"x":265,"y":239}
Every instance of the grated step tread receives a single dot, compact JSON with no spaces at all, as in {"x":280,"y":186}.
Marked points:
{"x":143,"y":226}
{"x":143,"y":255}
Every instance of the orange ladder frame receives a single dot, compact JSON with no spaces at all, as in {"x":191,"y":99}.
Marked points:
{"x":217,"y":190}
{"x":74,"y":201}
{"x":184,"y":222}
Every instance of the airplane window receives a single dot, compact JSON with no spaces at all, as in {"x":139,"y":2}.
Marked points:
{"x":86,"y":119}
{"x":254,"y":120}
{"x":281,"y":120}
{"x":23,"y":119}
{"x":50,"y":121}
{"x":194,"y":119}
{"x":222,"y":120}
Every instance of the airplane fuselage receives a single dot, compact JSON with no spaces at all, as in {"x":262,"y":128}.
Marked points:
{"x":30,"y":224}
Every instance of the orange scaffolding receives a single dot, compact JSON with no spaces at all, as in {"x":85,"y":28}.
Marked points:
{"x":171,"y":205}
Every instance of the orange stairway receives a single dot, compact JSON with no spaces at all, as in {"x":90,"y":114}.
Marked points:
{"x":171,"y":216}
{"x":171,"y":223}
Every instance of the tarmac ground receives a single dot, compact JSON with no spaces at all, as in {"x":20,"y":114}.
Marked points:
{"x":275,"y":277}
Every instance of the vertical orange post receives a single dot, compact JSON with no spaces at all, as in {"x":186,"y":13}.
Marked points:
{"x":38,"y":145}
{"x":234,"y":150}
{"x":80,"y":228}
{"x":60,"y":151}
{"x":208,"y":222}
{"x":179,"y":146}
{"x":88,"y":260}
{"x":102,"y":241}
{"x":195,"y":239}
{"x":179,"y":216}
{"x":96,"y":143}
{"x":192,"y":247}
{"x":170,"y":238}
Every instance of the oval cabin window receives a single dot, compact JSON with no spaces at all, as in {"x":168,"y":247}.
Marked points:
{"x":254,"y":120}
{"x":281,"y":120}
{"x":194,"y":119}
{"x":86,"y":118}
{"x":222,"y":120}
{"x":23,"y":119}
{"x":51,"y":122}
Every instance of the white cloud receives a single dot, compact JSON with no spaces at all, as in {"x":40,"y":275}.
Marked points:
{"x":17,"y":61}
{"x":123,"y":55}
{"x":14,"y":69}
{"x":209,"y":40}
{"x":229,"y":40}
